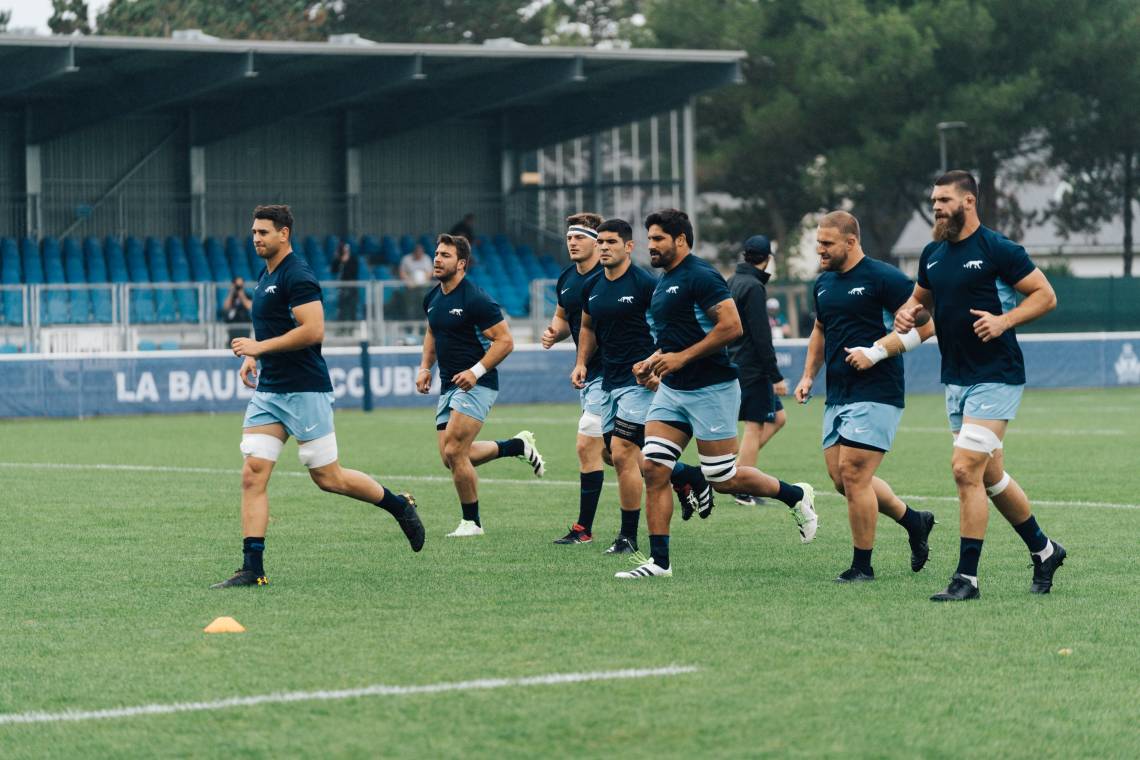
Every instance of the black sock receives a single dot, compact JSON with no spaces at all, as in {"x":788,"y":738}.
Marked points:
{"x":969,"y":553}
{"x":591,"y":491}
{"x":790,"y":494}
{"x":512,"y":447}
{"x":687,"y":474}
{"x":629,"y":520}
{"x":1032,"y":535}
{"x":910,"y":520}
{"x":251,"y":549}
{"x":471,"y":512}
{"x":659,"y":550}
{"x":862,"y":560}
{"x":393,"y":503}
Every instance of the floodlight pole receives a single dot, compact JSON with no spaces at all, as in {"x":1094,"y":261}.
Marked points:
{"x":942,"y":126}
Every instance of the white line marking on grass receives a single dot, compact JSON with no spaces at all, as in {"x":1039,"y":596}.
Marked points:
{"x":445,"y":479}
{"x":377,"y":690}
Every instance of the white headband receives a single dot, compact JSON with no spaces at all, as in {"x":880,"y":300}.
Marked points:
{"x":580,"y":230}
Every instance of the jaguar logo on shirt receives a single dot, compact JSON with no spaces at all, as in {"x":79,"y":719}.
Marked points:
{"x":271,"y":289}
{"x":857,"y":291}
{"x":456,"y":312}
{"x":672,"y":289}
{"x":975,"y":264}
{"x":625,"y":299}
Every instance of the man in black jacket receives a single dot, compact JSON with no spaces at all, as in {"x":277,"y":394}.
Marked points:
{"x":760,"y":381}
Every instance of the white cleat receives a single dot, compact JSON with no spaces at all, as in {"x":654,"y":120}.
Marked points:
{"x":530,"y":453}
{"x":648,"y":569}
{"x":804,"y":513}
{"x":466,"y":528}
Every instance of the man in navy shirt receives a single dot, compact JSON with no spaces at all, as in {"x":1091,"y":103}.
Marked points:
{"x":694,"y":319}
{"x":967,"y":278}
{"x":467,"y":333}
{"x":293,"y":396}
{"x":855,"y":297}
{"x":581,"y":234}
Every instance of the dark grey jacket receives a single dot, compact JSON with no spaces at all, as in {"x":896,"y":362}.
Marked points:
{"x":753,"y":352}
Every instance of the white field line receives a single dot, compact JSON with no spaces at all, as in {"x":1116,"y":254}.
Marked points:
{"x":444,"y":479}
{"x":377,"y":690}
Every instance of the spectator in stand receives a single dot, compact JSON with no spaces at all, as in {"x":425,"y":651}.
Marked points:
{"x":465,"y":227}
{"x":236,"y":309}
{"x":777,"y":321}
{"x":416,"y":268}
{"x":346,"y":267}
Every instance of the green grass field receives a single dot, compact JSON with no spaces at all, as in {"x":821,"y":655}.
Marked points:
{"x":105,"y":573}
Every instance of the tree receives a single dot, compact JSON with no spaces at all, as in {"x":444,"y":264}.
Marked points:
{"x":439,"y":21}
{"x":235,"y":19}
{"x":1094,"y":137}
{"x":69,"y":17}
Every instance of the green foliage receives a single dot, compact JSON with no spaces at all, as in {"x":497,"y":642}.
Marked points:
{"x":439,"y":21}
{"x":69,"y":17}
{"x":5,"y":18}
{"x":234,"y":19}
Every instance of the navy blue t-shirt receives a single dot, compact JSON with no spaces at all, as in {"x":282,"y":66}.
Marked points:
{"x":457,"y":320}
{"x":856,"y":308}
{"x":277,"y":293}
{"x":678,"y":319}
{"x":976,"y":273}
{"x":617,"y":312}
{"x":569,"y":291}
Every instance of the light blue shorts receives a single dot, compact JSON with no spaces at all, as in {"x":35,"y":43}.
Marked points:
{"x":711,"y":411}
{"x":305,"y":416}
{"x":866,"y":422}
{"x":630,"y":402}
{"x":593,"y":399}
{"x":984,"y":401}
{"x":475,"y":403}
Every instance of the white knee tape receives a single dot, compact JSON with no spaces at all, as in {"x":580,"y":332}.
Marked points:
{"x":718,"y":469}
{"x":999,"y":486}
{"x":318,"y":452}
{"x":661,"y":450}
{"x":261,"y":446}
{"x":977,"y":438}
{"x":590,"y":425}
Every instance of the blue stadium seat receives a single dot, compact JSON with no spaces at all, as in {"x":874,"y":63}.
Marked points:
{"x":54,"y":307}
{"x":9,"y":262}
{"x":407,"y":243}
{"x":199,"y":265}
{"x":73,"y":270}
{"x":255,"y":262}
{"x":147,"y":345}
{"x":8,"y":348}
{"x":216,"y":255}
{"x":116,"y":261}
{"x":390,"y":250}
{"x":33,"y":264}
{"x":185,"y":299}
{"x":428,"y":242}
{"x":141,"y":299}
{"x":160,"y":272}
{"x":236,"y":256}
{"x":168,"y":345}
{"x":101,"y":301}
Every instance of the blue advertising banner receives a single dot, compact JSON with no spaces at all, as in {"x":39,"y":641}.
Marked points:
{"x":206,"y":381}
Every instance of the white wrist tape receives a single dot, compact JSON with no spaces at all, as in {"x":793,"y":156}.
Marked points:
{"x":478,"y":370}
{"x":911,"y":340}
{"x":875,"y":352}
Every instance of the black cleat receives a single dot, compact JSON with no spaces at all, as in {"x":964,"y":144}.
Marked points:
{"x":1043,"y":571}
{"x":959,"y":590}
{"x":688,"y":499}
{"x":706,"y":502}
{"x":855,"y":575}
{"x":411,"y":524}
{"x":919,"y":542}
{"x":623,"y":545}
{"x":243,"y":578}
{"x":577,"y":535}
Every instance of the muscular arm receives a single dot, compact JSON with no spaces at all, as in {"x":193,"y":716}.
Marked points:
{"x":812,"y":363}
{"x":558,"y":329}
{"x":310,"y":330}
{"x":427,"y":360}
{"x":726,"y":329}
{"x":920,"y":299}
{"x":587,"y":341}
{"x":1040,"y":299}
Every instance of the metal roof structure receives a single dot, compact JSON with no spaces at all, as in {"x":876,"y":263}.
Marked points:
{"x":540,"y":95}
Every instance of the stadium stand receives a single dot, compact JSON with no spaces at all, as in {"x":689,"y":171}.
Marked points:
{"x":151,"y":266}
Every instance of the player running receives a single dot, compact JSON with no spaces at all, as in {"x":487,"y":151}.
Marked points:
{"x":468,"y":334}
{"x":853,"y":295}
{"x":293,"y":396}
{"x":694,"y":318}
{"x":967,"y":278}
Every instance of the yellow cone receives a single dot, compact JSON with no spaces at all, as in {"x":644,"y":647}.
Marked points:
{"x":225,"y":625}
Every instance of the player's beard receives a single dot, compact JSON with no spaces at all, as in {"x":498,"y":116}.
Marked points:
{"x":949,"y":227}
{"x":445,"y":275}
{"x":835,"y":262}
{"x":663,"y":258}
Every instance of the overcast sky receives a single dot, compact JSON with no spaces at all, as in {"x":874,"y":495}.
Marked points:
{"x":35,"y":13}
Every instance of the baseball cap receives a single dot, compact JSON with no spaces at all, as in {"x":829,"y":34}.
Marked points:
{"x":757,"y":247}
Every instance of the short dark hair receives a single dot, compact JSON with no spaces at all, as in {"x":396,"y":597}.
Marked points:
{"x":585,"y":219}
{"x":674,"y":222}
{"x":962,"y":180}
{"x":623,"y":228}
{"x":846,"y":223}
{"x":280,"y":215}
{"x":461,"y":245}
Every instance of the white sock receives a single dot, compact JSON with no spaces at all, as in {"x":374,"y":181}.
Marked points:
{"x":1045,"y":553}
{"x":973,"y":579}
